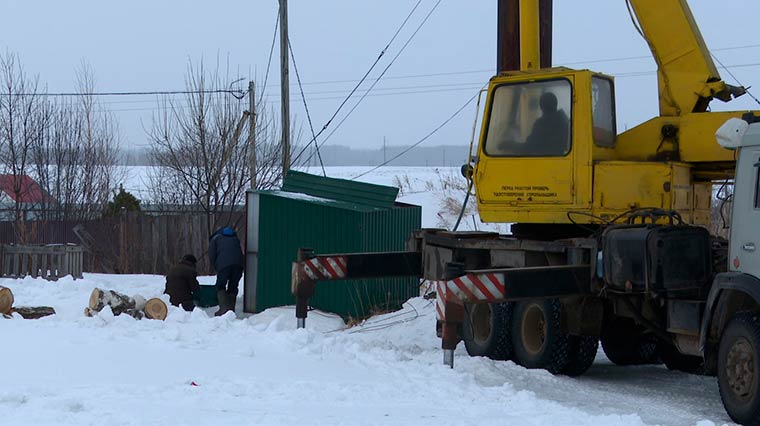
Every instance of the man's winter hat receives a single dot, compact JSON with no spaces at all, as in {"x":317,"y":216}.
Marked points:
{"x":190,"y":258}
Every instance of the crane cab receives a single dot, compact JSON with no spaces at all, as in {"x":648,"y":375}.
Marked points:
{"x":542,"y":132}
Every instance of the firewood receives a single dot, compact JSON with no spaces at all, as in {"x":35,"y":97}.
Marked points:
{"x":155,"y":308}
{"x":6,"y":300}
{"x":118,"y":302}
{"x":136,"y":306}
{"x":34,"y":312}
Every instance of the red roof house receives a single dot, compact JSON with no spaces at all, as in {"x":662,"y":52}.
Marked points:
{"x":23,"y":189}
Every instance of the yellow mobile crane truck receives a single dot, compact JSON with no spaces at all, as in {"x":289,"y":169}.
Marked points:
{"x":609,"y":240}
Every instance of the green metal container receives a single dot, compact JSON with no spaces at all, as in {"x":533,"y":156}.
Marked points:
{"x":206,"y":296}
{"x":329,"y":216}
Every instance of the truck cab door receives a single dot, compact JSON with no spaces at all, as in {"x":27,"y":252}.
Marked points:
{"x":526,"y":156}
{"x":745,"y":227}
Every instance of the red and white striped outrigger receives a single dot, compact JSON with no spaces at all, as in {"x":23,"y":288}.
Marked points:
{"x":453,"y":291}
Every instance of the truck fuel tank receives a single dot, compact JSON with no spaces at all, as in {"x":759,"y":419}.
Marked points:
{"x":656,"y":258}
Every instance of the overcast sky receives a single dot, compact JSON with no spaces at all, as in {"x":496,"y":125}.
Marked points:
{"x":145,"y":45}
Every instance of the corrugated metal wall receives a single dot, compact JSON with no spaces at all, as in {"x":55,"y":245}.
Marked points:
{"x":287,"y":222}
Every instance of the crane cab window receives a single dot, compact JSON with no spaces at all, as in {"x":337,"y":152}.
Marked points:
{"x":530,"y":119}
{"x":603,"y":112}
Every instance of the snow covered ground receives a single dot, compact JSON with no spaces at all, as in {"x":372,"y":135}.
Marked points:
{"x":193,"y":369}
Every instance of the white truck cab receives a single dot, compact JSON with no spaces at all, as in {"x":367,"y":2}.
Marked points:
{"x":731,"y":328}
{"x":745,"y":229}
{"x":744,"y":252}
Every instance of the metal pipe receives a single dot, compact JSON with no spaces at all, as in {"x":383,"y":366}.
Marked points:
{"x":448,"y":357}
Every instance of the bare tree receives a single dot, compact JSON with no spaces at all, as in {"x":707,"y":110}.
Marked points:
{"x":201,"y":148}
{"x":76,"y":152}
{"x":19,"y":103}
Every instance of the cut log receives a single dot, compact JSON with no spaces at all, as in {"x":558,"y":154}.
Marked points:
{"x":34,"y":312}
{"x":118,"y":302}
{"x":155,"y":308}
{"x":6,"y":300}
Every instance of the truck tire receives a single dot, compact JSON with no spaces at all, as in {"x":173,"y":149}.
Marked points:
{"x":486,"y":330}
{"x":583,"y":351}
{"x":537,"y":338}
{"x":625,"y":343}
{"x":677,"y":361}
{"x":739,"y":368}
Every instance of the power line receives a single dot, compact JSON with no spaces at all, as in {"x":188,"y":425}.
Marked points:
{"x":158,"y":92}
{"x":271,"y":50}
{"x":364,"y":77}
{"x":413,"y":92}
{"x":746,"y":89}
{"x":306,"y":107}
{"x":426,"y":137}
{"x":409,"y":40}
{"x":396,"y":77}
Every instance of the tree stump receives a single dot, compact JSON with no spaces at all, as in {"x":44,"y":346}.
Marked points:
{"x":6,"y":300}
{"x":34,"y":312}
{"x":155,"y":308}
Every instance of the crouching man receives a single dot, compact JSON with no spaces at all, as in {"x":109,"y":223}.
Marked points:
{"x":182,"y":283}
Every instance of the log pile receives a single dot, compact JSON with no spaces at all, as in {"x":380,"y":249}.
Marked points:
{"x":27,"y":312}
{"x":136,"y":306}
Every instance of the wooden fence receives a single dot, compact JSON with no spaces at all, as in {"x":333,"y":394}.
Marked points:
{"x":50,"y":262}
{"x":131,"y":243}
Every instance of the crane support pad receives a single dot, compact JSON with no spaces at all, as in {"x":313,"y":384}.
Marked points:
{"x":364,"y":265}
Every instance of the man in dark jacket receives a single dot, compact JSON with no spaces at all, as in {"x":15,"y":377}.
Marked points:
{"x":549,"y":137}
{"x":226,"y":256}
{"x":182,"y":283}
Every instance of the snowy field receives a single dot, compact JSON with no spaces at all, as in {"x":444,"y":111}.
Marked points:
{"x":194,"y":369}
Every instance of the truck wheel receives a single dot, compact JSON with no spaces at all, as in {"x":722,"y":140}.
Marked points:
{"x":677,"y":361}
{"x":582,"y":354}
{"x":537,"y":337}
{"x":739,"y":368}
{"x":625,"y":343}
{"x":486,"y":330}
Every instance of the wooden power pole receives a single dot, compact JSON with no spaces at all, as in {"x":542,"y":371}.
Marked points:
{"x":252,"y":131}
{"x":284,"y":87}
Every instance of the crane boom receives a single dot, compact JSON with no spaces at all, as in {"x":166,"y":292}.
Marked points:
{"x":687,"y":76}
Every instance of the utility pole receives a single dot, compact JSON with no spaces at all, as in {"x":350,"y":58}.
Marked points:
{"x":252,"y":131}
{"x":284,"y":87}
{"x":383,"y":149}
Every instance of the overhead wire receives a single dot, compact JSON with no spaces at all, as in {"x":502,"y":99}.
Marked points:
{"x":364,"y":77}
{"x":377,"y":80}
{"x":426,"y":137}
{"x":271,"y":51}
{"x":306,"y":108}
{"x":734,"y":77}
{"x":139,"y":93}
{"x":396,"y":77}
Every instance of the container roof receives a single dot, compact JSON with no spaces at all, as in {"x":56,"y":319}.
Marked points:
{"x":324,"y":201}
{"x":348,"y":191}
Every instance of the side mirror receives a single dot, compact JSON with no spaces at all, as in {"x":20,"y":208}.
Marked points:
{"x":467,"y":171}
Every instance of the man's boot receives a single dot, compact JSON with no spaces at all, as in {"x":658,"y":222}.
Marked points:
{"x":232,"y":300}
{"x":221,"y":296}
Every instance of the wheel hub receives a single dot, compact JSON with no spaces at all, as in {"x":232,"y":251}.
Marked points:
{"x":740,"y":368}
{"x":534,"y":329}
{"x":480,"y":318}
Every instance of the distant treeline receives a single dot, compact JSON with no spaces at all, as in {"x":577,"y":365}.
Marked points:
{"x":338,"y":155}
